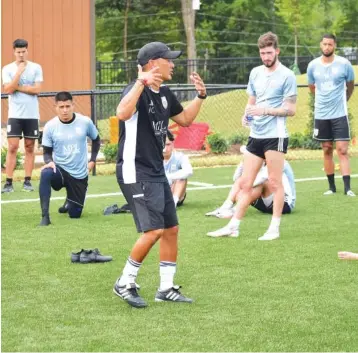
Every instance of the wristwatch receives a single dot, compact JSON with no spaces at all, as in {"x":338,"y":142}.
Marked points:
{"x":202,"y":97}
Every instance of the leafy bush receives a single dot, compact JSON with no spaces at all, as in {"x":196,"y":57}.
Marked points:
{"x":310,"y":143}
{"x":217,"y":143}
{"x":110,"y":152}
{"x":3,"y":158}
{"x":296,"y":140}
{"x":238,"y":139}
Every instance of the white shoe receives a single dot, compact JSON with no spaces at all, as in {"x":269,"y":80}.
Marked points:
{"x":226,"y":213}
{"x":224,"y":232}
{"x":213,"y":213}
{"x":350,"y":193}
{"x":270,"y":235}
{"x":221,"y":211}
{"x":329,"y":192}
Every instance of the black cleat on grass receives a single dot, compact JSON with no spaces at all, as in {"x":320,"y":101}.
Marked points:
{"x":45,"y":221}
{"x":172,"y":295}
{"x":63,"y":208}
{"x":129,"y":293}
{"x":88,"y":256}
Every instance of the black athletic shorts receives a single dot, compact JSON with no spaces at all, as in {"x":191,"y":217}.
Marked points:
{"x":260,"y":205}
{"x":76,"y":188}
{"x":27,"y":128}
{"x":152,"y":205}
{"x":332,"y":129}
{"x":259,"y":147}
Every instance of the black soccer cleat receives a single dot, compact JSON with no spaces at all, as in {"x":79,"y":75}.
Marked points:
{"x":45,"y":221}
{"x":87,"y":256}
{"x":63,"y":208}
{"x":129,"y":293}
{"x":172,"y":295}
{"x":7,"y":188}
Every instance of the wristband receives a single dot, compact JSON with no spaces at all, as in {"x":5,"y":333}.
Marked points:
{"x":143,"y":81}
{"x":202,"y":97}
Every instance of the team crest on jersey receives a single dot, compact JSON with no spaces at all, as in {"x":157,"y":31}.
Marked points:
{"x":164,"y":102}
{"x":78,"y":130}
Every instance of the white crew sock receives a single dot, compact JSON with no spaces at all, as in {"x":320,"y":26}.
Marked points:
{"x":234,"y":223}
{"x":227,"y":204}
{"x":130,"y":272}
{"x":167,"y":271}
{"x":176,"y":199}
{"x":275,"y":224}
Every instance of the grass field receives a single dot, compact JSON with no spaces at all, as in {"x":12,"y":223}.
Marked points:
{"x":292,"y":294}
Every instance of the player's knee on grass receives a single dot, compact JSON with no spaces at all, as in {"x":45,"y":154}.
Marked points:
{"x":74,"y":211}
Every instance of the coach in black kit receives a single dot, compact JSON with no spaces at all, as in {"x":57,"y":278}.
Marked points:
{"x":144,"y":111}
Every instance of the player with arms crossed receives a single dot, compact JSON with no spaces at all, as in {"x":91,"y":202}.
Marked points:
{"x":144,"y":112}
{"x":272,"y":91}
{"x":22,"y":80}
{"x":331,"y":80}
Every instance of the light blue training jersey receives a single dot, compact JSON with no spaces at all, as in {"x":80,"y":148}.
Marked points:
{"x":23,"y":105}
{"x":270,"y":90}
{"x":330,"y":81}
{"x":69,"y":143}
{"x":290,"y":188}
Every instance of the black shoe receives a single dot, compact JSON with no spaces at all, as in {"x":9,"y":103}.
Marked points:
{"x":172,"y":295}
{"x":45,"y":221}
{"x":124,"y":209}
{"x":27,"y":186}
{"x":87,"y":256}
{"x":63,"y":208}
{"x":180,"y":203}
{"x":75,"y":256}
{"x":110,"y":209}
{"x":129,"y":293}
{"x":7,"y":188}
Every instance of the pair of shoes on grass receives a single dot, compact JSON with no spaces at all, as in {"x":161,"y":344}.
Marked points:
{"x":89,"y":256}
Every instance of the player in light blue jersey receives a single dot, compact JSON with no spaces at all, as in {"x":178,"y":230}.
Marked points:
{"x":65,"y":154}
{"x":22,"y":80}
{"x":177,"y":169}
{"x":331,"y":80}
{"x":272,"y":94}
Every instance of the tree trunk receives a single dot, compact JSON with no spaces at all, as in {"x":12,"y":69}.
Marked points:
{"x":125,"y":30}
{"x":189,"y":25}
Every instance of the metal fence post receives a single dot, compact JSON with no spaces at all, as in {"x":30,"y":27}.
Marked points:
{"x":94,"y":120}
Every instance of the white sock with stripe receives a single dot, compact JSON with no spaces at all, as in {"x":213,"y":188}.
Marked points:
{"x":130,"y":272}
{"x":167,"y":271}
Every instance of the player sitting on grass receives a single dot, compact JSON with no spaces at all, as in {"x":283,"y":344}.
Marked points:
{"x":262,"y":199}
{"x":177,"y":169}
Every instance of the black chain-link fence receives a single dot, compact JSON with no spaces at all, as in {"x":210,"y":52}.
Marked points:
{"x":215,"y":70}
{"x":222,"y":111}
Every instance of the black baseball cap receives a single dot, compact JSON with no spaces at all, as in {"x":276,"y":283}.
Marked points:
{"x":156,"y":50}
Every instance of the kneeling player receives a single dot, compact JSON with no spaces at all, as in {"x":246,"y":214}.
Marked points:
{"x":261,"y":199}
{"x":64,"y":144}
{"x":177,"y":169}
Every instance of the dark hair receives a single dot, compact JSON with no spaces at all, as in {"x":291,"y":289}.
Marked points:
{"x":268,"y":39}
{"x":20,"y":43}
{"x":329,"y":36}
{"x":63,"y":96}
{"x":170,"y":135}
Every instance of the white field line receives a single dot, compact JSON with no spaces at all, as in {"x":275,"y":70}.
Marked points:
{"x":199,"y":184}
{"x":208,"y":187}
